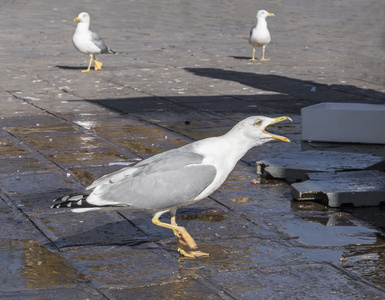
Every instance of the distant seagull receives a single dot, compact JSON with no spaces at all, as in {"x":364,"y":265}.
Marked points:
{"x":175,"y":178}
{"x":260,"y":35}
{"x":88,"y":42}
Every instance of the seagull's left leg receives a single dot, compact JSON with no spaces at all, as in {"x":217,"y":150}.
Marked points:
{"x":263,"y":55}
{"x":98,"y":64}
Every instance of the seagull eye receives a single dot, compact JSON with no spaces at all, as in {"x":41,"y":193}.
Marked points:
{"x":258,"y":123}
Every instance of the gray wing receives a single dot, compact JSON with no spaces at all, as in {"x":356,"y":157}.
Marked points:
{"x":113,"y":177}
{"x":251,"y":33}
{"x":164,"y":161}
{"x":98,"y":41}
{"x":169,"y":160}
{"x":170,"y":181}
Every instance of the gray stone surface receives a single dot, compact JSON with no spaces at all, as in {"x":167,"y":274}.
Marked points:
{"x":297,"y":165}
{"x":183,"y":75}
{"x":359,"y":188}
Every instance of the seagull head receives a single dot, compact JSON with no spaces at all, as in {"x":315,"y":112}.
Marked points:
{"x":263,"y":14}
{"x":255,"y":128}
{"x":82,"y":17}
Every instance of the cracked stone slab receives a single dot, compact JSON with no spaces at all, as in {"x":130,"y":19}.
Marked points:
{"x":360,"y":188}
{"x":294,"y":166}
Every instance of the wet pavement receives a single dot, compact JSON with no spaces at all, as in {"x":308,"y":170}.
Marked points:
{"x":183,"y":75}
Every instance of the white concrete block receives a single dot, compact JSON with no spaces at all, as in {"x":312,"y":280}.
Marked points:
{"x":344,"y":122}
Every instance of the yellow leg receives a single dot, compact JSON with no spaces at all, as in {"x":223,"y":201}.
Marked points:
{"x":182,"y":236}
{"x":253,"y":58}
{"x":263,"y":55}
{"x":189,"y":254}
{"x":98,"y":65}
{"x":89,"y":66}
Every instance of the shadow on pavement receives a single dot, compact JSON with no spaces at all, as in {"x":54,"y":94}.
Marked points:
{"x":290,"y":86}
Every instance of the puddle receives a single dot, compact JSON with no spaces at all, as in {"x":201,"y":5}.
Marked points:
{"x":333,"y":230}
{"x":26,"y":264}
{"x":94,"y":157}
{"x":202,"y":217}
{"x":40,"y":129}
{"x":148,"y":147}
{"x":367,"y":261}
{"x":130,"y":131}
{"x":242,"y":200}
{"x":62,"y":142}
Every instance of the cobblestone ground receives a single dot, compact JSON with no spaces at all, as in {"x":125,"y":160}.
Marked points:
{"x":182,"y":74}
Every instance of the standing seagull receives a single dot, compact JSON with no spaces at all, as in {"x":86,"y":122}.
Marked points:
{"x":175,"y":178}
{"x":260,"y":35}
{"x":88,"y":42}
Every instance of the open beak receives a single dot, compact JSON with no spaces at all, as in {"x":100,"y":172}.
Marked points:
{"x":76,"y":19}
{"x":271,"y":15}
{"x":274,"y":136}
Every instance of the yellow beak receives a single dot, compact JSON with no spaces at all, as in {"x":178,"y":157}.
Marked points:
{"x":271,"y":15}
{"x":274,"y":136}
{"x":76,"y":19}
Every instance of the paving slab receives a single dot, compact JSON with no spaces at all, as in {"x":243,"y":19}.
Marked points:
{"x":183,"y":74}
{"x":359,"y":188}
{"x":321,"y":281}
{"x":176,"y":290}
{"x":294,"y":166}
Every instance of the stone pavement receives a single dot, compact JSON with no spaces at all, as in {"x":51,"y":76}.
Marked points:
{"x":183,"y":75}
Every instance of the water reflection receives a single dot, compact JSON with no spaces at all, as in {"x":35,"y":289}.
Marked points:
{"x":26,"y":264}
{"x":368,"y":260}
{"x":361,"y":245}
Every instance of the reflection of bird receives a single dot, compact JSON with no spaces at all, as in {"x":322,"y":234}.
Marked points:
{"x":175,"y":178}
{"x":260,"y":35}
{"x":88,"y":42}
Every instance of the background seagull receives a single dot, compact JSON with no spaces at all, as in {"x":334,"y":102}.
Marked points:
{"x":175,"y":178}
{"x":260,"y":35}
{"x":88,"y":42}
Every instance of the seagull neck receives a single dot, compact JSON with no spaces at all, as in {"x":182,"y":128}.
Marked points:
{"x":83,"y":26}
{"x":261,"y":23}
{"x":237,"y":144}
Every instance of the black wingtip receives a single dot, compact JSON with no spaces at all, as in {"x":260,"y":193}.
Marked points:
{"x":71,"y":201}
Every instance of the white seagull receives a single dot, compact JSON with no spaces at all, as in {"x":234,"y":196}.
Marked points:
{"x":260,"y":35}
{"x":88,"y":42}
{"x":175,"y":178}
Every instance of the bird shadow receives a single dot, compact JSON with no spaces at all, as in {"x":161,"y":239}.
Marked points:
{"x":139,"y":231}
{"x":241,"y":57}
{"x":70,"y":67}
{"x":296,"y":88}
{"x":114,"y":233}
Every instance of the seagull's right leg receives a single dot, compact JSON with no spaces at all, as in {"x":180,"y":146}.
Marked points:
{"x":89,"y":65}
{"x":253,"y":58}
{"x":181,"y":242}
{"x":98,"y":64}
{"x":183,"y":237}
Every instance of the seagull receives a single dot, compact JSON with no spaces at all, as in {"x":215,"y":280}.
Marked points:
{"x":260,"y":35}
{"x":88,"y":42}
{"x":175,"y":178}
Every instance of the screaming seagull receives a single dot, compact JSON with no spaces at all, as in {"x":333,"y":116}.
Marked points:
{"x":88,"y":42}
{"x":260,"y":35}
{"x":175,"y":178}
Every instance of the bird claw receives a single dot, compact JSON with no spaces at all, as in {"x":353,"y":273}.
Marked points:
{"x":98,"y":65}
{"x":192,"y":254}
